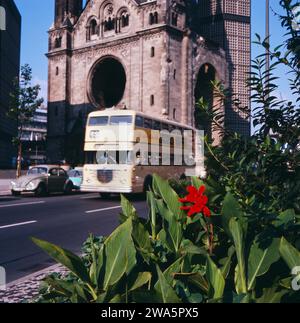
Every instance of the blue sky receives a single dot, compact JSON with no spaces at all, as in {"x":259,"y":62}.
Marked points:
{"x":37,"y":17}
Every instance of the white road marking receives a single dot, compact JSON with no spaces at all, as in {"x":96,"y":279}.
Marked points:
{"x":17,"y":224}
{"x":21,"y":204}
{"x":105,"y":209}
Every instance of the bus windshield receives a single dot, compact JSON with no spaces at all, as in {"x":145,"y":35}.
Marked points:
{"x":115,"y":120}
{"x":98,"y":121}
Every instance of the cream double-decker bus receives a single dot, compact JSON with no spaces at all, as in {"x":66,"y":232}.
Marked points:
{"x":124,"y":148}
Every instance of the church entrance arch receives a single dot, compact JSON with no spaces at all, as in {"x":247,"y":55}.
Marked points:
{"x":107,"y":83}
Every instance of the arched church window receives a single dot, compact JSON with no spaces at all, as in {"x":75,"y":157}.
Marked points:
{"x":124,"y":20}
{"x":152,"y":54}
{"x":155,"y":15}
{"x":57,"y":42}
{"x":93,"y":27}
{"x":153,"y":18}
{"x":152,"y":99}
{"x":174,"y":18}
{"x":109,"y":18}
{"x":109,"y":24}
{"x":174,"y":114}
{"x":56,"y":70}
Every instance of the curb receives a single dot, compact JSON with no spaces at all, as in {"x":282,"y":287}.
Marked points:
{"x":5,"y":193}
{"x":21,"y":280}
{"x":26,"y":289}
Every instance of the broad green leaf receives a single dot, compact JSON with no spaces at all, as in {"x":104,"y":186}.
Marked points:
{"x":175,"y":233}
{"x":285,"y":218}
{"x":197,"y":182}
{"x":165,"y":240}
{"x":145,"y":296}
{"x":141,"y":280}
{"x":152,"y":212}
{"x":226,"y":262}
{"x":127,"y":208}
{"x":289,"y":253}
{"x":195,"y":298}
{"x":260,"y":260}
{"x":174,"y":228}
{"x":230,"y":209}
{"x":174,"y":268}
{"x":236,"y":231}
{"x":62,"y":287}
{"x":97,"y":264}
{"x":142,"y":240}
{"x":66,"y":258}
{"x":169,"y":196}
{"x":272,"y":295}
{"x":120,"y":254}
{"x":187,"y":247}
{"x":163,"y":211}
{"x":163,"y":288}
{"x":215,"y":279}
{"x":117,"y":299}
{"x":195,"y":279}
{"x":81,"y":294}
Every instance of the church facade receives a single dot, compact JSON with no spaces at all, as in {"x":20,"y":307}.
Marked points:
{"x":145,"y":55}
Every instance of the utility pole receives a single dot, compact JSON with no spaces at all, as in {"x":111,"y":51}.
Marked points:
{"x":267,"y":39}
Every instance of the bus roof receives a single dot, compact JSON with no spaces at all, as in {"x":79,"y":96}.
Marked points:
{"x":113,"y":112}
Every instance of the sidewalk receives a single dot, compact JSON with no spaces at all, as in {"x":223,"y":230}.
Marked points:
{"x":5,"y":187}
{"x":27,"y":288}
{"x":6,"y":176}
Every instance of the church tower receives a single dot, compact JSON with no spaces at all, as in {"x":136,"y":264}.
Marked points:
{"x":67,"y":13}
{"x":228,"y":23}
{"x":70,"y":8}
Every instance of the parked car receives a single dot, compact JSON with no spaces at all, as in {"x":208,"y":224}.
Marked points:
{"x":42,"y":180}
{"x":75,"y":175}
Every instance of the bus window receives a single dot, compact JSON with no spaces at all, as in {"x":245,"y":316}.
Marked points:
{"x":148,"y":123}
{"x":139,"y":121}
{"x":165,"y":126}
{"x":101,"y":157}
{"x":114,"y":157}
{"x":156,"y":125}
{"x":115,"y":120}
{"x":172,"y":127}
{"x":89,"y":157}
{"x":98,"y":121}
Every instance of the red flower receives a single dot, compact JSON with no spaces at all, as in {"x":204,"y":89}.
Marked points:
{"x":197,"y":201}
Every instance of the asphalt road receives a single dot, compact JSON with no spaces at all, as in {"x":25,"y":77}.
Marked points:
{"x":63,"y":220}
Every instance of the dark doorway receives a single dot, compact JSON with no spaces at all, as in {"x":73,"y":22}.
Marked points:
{"x":204,"y":89}
{"x":108,"y":83}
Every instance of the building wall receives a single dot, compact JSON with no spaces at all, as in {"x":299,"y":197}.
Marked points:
{"x":9,"y":70}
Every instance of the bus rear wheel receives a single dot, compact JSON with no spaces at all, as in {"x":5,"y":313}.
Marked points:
{"x":105,"y":196}
{"x":147,"y":184}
